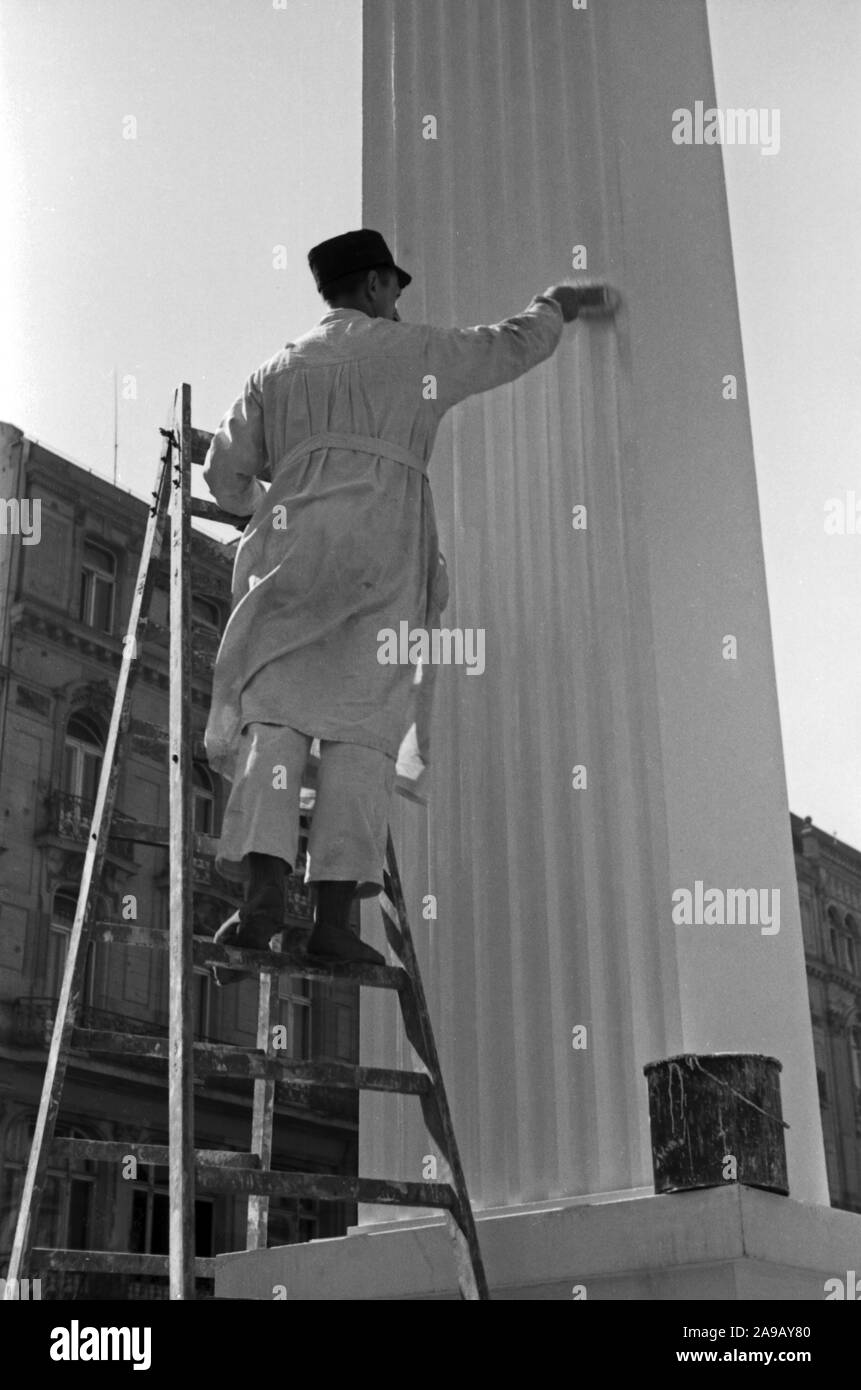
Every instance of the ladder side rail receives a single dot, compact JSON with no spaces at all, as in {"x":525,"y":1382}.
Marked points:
{"x":263,"y":1112}
{"x":435,"y":1107}
{"x":73,"y":974}
{"x":181,"y":1019}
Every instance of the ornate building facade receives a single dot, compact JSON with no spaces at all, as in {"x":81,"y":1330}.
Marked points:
{"x":829,"y":890}
{"x":65,"y":597}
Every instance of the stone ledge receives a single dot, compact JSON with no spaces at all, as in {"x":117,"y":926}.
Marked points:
{"x":733,"y":1243}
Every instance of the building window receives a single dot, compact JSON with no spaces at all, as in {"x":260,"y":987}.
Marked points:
{"x":855,"y":1047}
{"x":294,"y":1014}
{"x":204,"y":800}
{"x":82,"y":758}
{"x":291,"y":1220}
{"x":149,"y":1217}
{"x":808,"y":926}
{"x":833,"y":934}
{"x":65,"y":1219}
{"x":822,"y":1083}
{"x":206,"y":613}
{"x":63,"y":908}
{"x":159,"y":607}
{"x":98,"y":583}
{"x":832,"y":1168}
{"x":853,"y":935}
{"x":202,"y":1002}
{"x":841,"y":938}
{"x":150,"y":1211}
{"x":344,"y":1042}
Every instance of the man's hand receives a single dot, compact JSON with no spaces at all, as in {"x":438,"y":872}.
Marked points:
{"x":590,"y":298}
{"x":568,"y":299}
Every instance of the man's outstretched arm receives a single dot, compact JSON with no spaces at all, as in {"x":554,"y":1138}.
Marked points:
{"x":237,"y":455}
{"x":467,"y":361}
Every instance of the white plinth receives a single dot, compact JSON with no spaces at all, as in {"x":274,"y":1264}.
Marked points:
{"x":732,"y":1243}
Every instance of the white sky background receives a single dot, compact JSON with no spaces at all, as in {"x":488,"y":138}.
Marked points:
{"x":155,"y":255}
{"x":795,"y":220}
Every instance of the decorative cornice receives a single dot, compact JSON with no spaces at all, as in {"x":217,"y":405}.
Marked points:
{"x":818,"y":972}
{"x":844,"y":856}
{"x":152,"y":741}
{"x":26,"y":618}
{"x":66,"y":865}
{"x":834,"y":975}
{"x":95,"y":499}
{"x":828,"y":845}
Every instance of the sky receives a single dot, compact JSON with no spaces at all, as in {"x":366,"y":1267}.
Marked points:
{"x":795,"y":218}
{"x":166,"y":164}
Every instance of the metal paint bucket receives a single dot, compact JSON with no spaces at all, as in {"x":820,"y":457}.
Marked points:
{"x":717,"y":1119}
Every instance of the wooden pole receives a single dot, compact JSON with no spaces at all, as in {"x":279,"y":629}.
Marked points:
{"x":181,"y":1018}
{"x":263,"y":1114}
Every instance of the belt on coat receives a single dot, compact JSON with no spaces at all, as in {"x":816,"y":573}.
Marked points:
{"x":361,"y":443}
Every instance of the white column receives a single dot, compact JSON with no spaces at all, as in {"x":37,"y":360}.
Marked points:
{"x":605,"y":646}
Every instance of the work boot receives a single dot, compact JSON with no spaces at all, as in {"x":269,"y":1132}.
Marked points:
{"x":260,"y":918}
{"x":332,"y":939}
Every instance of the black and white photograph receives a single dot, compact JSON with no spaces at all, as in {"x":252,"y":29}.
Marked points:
{"x":430,"y":670}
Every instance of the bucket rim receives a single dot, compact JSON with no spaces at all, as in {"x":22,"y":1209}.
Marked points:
{"x":711,"y":1056}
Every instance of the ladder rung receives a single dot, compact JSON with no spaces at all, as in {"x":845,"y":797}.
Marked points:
{"x":331,"y":1188}
{"x":124,"y":1044}
{"x":212,"y":1059}
{"x":198,"y":506}
{"x":221,"y":1059}
{"x":203,"y":641}
{"x":115,"y":1150}
{"x":383,"y":976}
{"x":111,"y":1262}
{"x":200,"y":442}
{"x":207,"y":953}
{"x":131,"y":934}
{"x":153,"y":938}
{"x":142,"y":833}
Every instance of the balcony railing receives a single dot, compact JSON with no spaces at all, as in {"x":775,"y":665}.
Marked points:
{"x":204,"y":645}
{"x":205,"y":875}
{"x":34,"y":1021}
{"x":297,"y":899}
{"x":70,"y":817}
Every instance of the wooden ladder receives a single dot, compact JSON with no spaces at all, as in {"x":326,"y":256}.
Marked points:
{"x":207,"y":1170}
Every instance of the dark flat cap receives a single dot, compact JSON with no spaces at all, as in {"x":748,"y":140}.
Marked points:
{"x":360,"y":250}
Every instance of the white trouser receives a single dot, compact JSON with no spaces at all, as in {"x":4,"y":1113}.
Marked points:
{"x":349,"y":822}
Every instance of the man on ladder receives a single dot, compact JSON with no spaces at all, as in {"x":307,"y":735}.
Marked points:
{"x":343,"y":544}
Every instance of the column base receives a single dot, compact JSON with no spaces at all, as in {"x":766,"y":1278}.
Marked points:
{"x":733,"y":1243}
